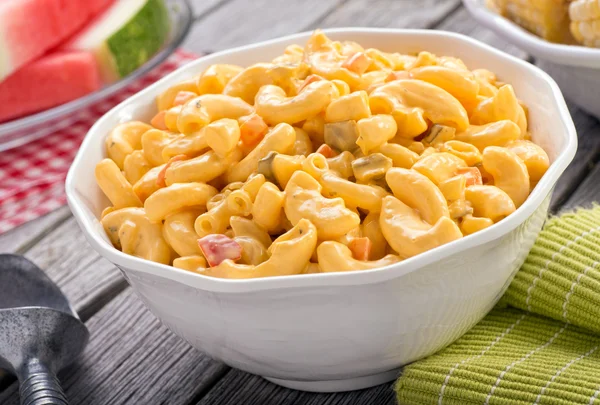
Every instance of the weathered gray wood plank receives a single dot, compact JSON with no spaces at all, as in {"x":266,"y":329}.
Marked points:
{"x":57,"y":245}
{"x":133,"y":359}
{"x":238,"y":387}
{"x":587,"y":193}
{"x":573,"y":188}
{"x":461,"y":22}
{"x":76,"y":268}
{"x":61,"y":250}
{"x":23,"y":237}
{"x":387,"y":14}
{"x":241,"y":22}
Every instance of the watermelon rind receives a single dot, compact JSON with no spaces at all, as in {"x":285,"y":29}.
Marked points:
{"x":124,"y":37}
{"x":138,"y":40}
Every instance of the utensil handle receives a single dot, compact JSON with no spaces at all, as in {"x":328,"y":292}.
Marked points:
{"x":39,"y":386}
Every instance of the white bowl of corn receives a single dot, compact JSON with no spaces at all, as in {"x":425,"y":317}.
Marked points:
{"x":562,"y":35}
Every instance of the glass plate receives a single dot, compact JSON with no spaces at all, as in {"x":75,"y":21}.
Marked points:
{"x":23,"y":130}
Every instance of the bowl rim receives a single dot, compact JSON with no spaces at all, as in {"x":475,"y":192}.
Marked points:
{"x":571,"y":55}
{"x":202,"y":282}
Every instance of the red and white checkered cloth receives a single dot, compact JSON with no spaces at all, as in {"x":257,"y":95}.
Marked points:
{"x":33,"y":175}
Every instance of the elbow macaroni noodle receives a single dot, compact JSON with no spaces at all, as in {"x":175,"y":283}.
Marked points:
{"x":329,"y":158}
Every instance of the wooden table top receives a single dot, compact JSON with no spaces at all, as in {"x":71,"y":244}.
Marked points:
{"x":132,"y":358}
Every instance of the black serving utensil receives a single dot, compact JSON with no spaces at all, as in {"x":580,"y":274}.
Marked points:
{"x":40,"y":333}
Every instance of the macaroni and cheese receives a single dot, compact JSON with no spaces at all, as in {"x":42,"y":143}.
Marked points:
{"x":329,"y":158}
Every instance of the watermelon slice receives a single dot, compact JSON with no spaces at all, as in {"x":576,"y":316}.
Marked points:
{"x":28,"y":28}
{"x":52,"y":80}
{"x":124,"y":37}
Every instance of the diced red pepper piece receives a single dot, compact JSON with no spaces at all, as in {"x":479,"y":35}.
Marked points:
{"x":472,"y":174}
{"x":310,"y":79}
{"x":361,"y":248}
{"x":160,"y":178}
{"x":397,"y":75}
{"x":183,"y":97}
{"x":357,"y":63}
{"x":158,"y":121}
{"x":252,"y":129}
{"x":326,"y":151}
{"x":216,"y":248}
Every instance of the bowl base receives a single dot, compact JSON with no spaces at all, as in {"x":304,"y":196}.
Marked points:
{"x":349,"y":384}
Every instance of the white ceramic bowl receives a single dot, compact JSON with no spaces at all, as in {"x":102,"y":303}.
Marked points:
{"x":576,"y":69}
{"x":339,"y":331}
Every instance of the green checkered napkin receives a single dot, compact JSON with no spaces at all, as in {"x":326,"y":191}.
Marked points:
{"x":541,"y":344}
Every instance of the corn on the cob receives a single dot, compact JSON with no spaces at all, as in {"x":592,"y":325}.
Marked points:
{"x":585,"y":22}
{"x":548,"y":19}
